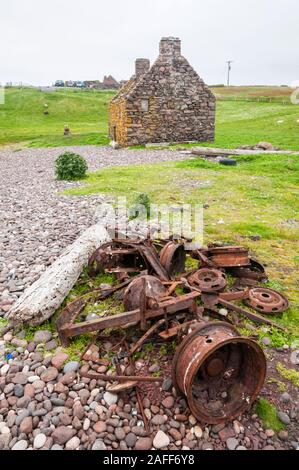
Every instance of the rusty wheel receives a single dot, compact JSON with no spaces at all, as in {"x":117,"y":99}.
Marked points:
{"x":218,"y":371}
{"x":153,"y":289}
{"x":208,"y":280}
{"x":99,"y":260}
{"x":173,"y":258}
{"x":266,"y":301}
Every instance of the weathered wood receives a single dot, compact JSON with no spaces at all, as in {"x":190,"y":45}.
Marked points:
{"x":215,"y":152}
{"x":44,"y":296}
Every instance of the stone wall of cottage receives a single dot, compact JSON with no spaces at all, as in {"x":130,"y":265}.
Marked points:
{"x":169,"y":103}
{"x":118,"y":122}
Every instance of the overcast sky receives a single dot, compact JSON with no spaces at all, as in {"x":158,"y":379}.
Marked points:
{"x":41,"y":40}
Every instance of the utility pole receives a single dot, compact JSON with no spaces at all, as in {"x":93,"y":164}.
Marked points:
{"x":228,"y":71}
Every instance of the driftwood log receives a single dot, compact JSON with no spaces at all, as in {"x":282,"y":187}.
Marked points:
{"x":44,"y":296}
{"x":214,"y":152}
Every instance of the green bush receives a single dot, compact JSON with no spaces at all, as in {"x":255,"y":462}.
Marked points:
{"x":70,"y":166}
{"x":142,"y":200}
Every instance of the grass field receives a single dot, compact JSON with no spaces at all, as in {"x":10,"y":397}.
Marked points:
{"x":22,"y":117}
{"x":258,"y":197}
{"x":86,"y":112}
{"x":277,"y":93}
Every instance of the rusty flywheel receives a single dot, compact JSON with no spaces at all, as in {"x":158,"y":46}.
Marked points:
{"x":208,"y":280}
{"x":266,"y":300}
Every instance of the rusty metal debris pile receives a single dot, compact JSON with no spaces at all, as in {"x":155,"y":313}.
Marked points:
{"x":219,"y":371}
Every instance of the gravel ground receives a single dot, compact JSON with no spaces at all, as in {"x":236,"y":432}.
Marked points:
{"x":45,"y":402}
{"x":36,"y":223}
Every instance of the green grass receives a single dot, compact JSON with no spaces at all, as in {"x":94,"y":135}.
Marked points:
{"x":77,"y":347}
{"x":268,"y":415}
{"x":22,"y":118}
{"x":289,"y":374}
{"x":86,"y":112}
{"x":258,"y":197}
{"x":247,"y":123}
{"x":281,"y":386}
{"x":31,"y":330}
{"x":242,"y":123}
{"x":273,"y":93}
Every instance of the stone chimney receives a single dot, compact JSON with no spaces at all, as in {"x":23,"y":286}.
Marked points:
{"x":170,"y":47}
{"x":142,"y":66}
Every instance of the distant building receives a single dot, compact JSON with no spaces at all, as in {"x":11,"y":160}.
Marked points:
{"x":109,"y":83}
{"x":167,"y":102}
{"x":93,"y":84}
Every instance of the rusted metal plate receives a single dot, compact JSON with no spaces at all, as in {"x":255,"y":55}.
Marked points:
{"x":149,"y":252}
{"x":220,"y":372}
{"x":173,"y":258}
{"x":208,"y":280}
{"x":121,"y":256}
{"x":250,"y":275}
{"x":239,"y":295}
{"x":227,"y":256}
{"x":266,"y":301}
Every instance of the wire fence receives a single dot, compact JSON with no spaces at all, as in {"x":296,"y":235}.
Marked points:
{"x":260,"y":99}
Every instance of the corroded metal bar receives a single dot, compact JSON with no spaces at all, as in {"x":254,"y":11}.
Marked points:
{"x":118,"y":378}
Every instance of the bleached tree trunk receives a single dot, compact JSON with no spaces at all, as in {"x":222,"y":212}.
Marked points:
{"x":214,"y":152}
{"x":44,"y":296}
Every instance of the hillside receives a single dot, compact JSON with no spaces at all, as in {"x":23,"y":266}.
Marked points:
{"x":22,"y":117}
{"x":245,"y":115}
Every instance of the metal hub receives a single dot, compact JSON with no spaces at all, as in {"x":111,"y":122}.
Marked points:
{"x":149,"y":286}
{"x":266,"y":300}
{"x":208,"y":280}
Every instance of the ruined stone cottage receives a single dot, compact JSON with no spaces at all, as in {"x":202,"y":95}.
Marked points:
{"x":167,"y":102}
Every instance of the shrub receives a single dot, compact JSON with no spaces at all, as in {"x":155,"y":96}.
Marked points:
{"x":70,"y":166}
{"x":140,"y":206}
